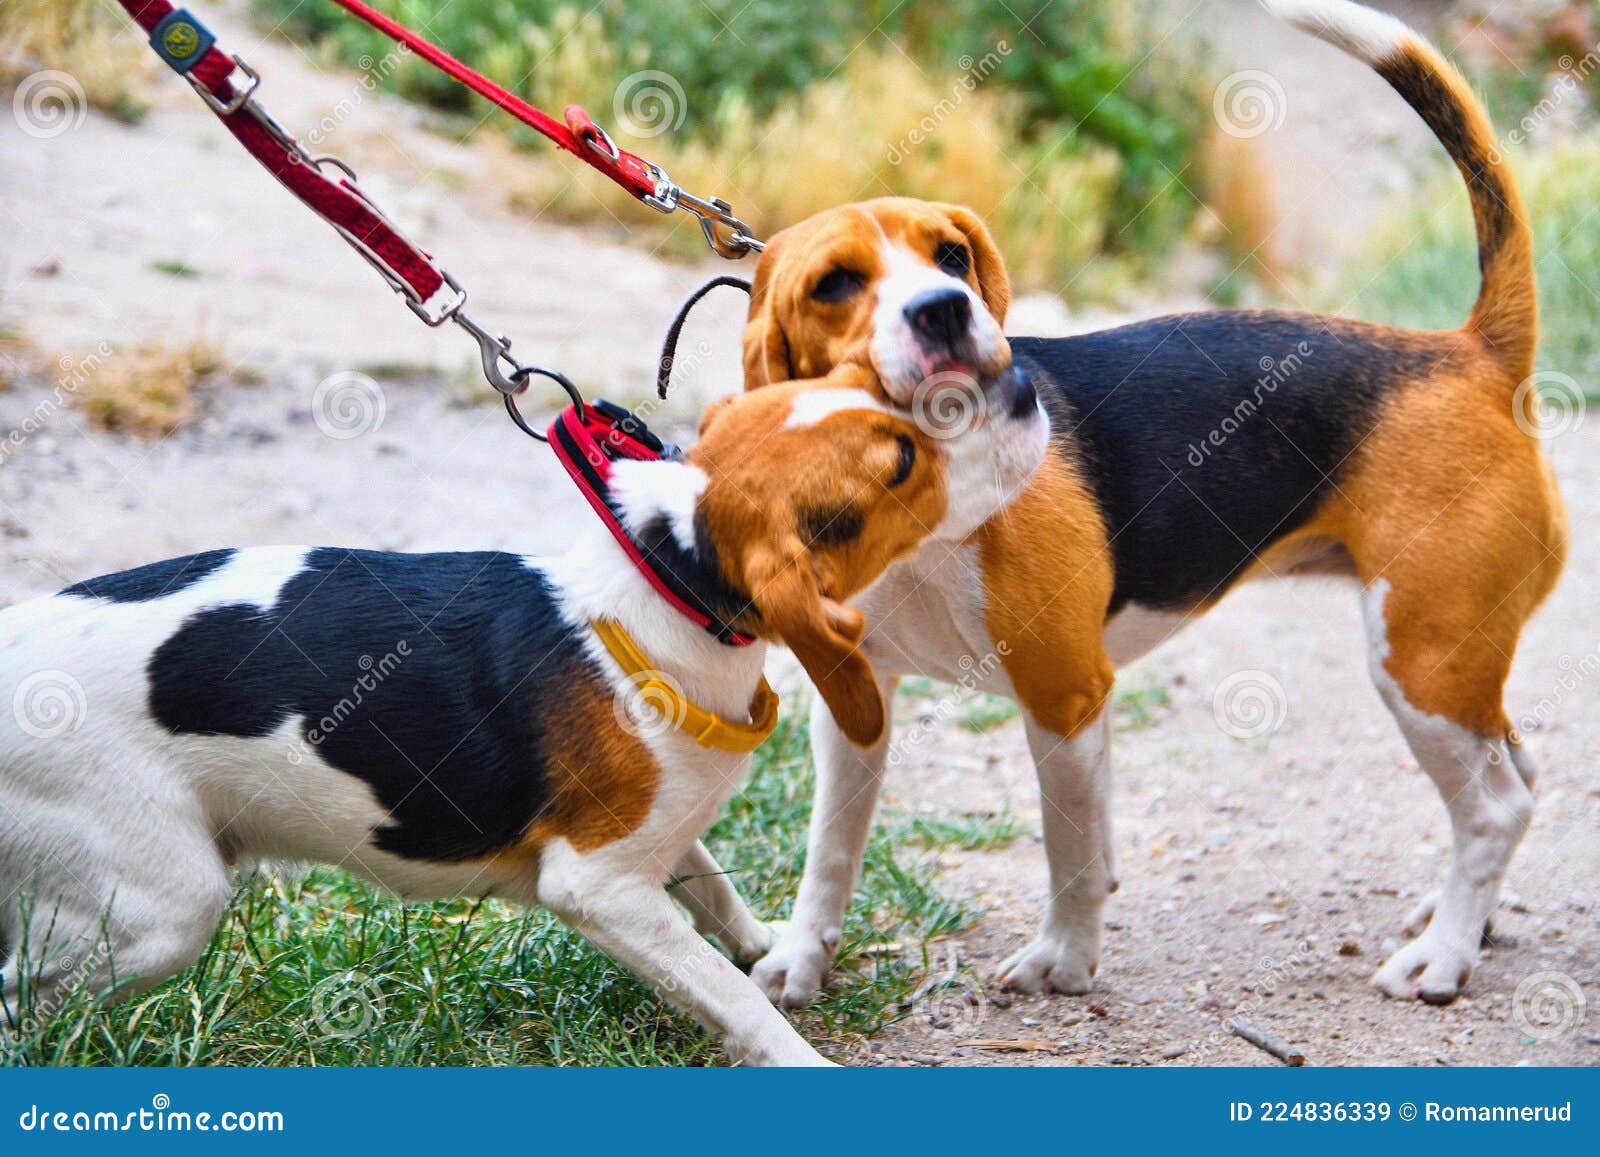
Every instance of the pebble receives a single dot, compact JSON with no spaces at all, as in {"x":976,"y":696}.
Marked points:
{"x":1349,"y":948}
{"x":1174,"y":1052}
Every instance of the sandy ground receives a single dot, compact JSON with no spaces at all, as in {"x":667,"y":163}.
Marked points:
{"x":1263,"y":878}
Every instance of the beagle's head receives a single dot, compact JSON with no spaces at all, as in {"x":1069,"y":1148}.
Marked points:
{"x":800,"y":496}
{"x":915,"y":291}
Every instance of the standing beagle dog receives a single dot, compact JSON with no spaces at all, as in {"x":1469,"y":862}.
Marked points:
{"x":1192,"y":453}
{"x":454,"y":724}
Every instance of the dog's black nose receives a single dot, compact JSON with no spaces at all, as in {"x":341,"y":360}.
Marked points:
{"x":939,"y":315}
{"x":1025,"y":399}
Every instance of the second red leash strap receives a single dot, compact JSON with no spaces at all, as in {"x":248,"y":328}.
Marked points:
{"x":580,"y":136}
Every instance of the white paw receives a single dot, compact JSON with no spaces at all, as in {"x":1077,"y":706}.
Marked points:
{"x":1429,"y":969}
{"x":792,"y":972}
{"x":752,"y":942}
{"x":1051,"y":965}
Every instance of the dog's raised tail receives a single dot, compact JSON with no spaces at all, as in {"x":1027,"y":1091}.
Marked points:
{"x":1507,"y":312}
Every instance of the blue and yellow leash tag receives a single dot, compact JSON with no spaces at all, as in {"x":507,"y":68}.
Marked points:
{"x":181,"y":40}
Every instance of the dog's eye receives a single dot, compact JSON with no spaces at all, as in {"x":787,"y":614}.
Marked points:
{"x":838,"y":284}
{"x":908,"y":459}
{"x":953,"y":259}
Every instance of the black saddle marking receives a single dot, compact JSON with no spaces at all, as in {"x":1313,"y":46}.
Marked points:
{"x":1209,"y":436}
{"x":433,"y":678}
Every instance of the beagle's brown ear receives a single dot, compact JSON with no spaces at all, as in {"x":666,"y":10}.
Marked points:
{"x":994,"y":285}
{"x":823,"y":635}
{"x":766,"y":349}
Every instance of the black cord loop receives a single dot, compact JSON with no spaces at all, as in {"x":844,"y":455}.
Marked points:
{"x":669,"y":347}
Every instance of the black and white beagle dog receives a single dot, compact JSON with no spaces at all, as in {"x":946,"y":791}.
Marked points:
{"x":548,"y":730}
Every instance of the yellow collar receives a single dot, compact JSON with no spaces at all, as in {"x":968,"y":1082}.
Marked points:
{"x":662,"y":694}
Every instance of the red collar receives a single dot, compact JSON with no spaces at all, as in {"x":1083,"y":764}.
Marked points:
{"x":586,"y":443}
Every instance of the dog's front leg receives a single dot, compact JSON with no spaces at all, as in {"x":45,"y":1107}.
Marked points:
{"x":716,"y":907}
{"x":630,"y":917}
{"x":1075,"y":798}
{"x":848,"y":782}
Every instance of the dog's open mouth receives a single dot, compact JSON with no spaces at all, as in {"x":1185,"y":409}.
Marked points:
{"x":946,"y":365}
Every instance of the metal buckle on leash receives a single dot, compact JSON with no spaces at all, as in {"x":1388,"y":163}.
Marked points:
{"x":493,"y":353}
{"x":241,"y":96}
{"x":602,"y":143}
{"x":502,"y":371}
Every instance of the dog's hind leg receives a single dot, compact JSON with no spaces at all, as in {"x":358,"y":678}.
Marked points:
{"x":1466,"y":749}
{"x":120,"y":893}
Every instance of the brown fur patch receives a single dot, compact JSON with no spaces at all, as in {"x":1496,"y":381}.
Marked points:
{"x":602,"y":780}
{"x":801,"y":540}
{"x":1470,"y":534}
{"x":1047,"y":580}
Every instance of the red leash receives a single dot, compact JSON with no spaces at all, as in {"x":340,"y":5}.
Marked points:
{"x":328,"y":187}
{"x":580,"y":136}
{"x":583,"y":138}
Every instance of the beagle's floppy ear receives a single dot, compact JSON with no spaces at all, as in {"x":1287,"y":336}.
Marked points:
{"x":993,"y":283}
{"x":766,"y":349}
{"x":823,"y":635}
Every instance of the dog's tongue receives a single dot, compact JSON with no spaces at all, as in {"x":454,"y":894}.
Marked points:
{"x":948,"y":366}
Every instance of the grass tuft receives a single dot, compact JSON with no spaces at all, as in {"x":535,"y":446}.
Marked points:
{"x":325,"y":970}
{"x":1137,"y":705}
{"x":149,"y":391}
{"x":174,"y":267}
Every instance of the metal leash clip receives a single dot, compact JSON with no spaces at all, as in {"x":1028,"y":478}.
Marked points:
{"x":726,"y":235}
{"x":503,"y":371}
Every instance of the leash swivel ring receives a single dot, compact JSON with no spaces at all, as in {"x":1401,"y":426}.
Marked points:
{"x":520,"y":381}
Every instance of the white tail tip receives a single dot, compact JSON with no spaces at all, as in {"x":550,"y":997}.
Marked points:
{"x":1363,"y":32}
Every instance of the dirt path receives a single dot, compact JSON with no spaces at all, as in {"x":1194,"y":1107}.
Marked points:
{"x":1259,"y":878}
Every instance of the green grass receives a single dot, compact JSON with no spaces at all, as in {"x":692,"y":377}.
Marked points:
{"x":175,"y":268}
{"x":1421,"y":266}
{"x":328,"y":971}
{"x":1133,"y":707}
